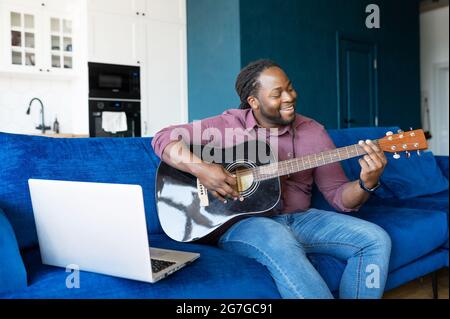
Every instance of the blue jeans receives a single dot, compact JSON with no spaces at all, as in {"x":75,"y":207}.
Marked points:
{"x":281,"y":243}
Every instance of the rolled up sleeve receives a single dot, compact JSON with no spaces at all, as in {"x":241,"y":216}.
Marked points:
{"x":168,"y":135}
{"x":191,"y":133}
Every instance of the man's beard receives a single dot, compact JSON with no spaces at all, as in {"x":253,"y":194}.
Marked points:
{"x":276,"y":119}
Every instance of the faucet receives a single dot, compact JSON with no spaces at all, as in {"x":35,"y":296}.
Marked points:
{"x":42,"y":126}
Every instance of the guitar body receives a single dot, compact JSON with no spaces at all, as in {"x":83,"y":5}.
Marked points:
{"x":178,"y":198}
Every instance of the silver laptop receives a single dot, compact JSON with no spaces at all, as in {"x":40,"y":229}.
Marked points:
{"x":101,"y":228}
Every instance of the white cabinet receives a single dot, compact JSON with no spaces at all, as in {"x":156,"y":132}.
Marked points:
{"x":115,"y":39}
{"x":121,"y":7}
{"x":38,"y":40}
{"x":166,"y":10}
{"x":116,"y":28}
{"x":22,"y":30}
{"x":162,"y":10}
{"x":164,"y":85}
{"x":59,"y":40}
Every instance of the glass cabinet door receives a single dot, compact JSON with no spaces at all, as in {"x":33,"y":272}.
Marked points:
{"x":61,"y":38}
{"x":23,"y":39}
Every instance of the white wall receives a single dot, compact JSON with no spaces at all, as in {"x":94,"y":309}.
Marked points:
{"x":67,"y":98}
{"x":15,"y":94}
{"x":434,"y":42}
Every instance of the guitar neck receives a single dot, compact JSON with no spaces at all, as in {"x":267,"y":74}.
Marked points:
{"x":295,"y":165}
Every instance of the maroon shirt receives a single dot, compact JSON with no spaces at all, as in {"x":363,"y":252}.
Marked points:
{"x":305,"y":136}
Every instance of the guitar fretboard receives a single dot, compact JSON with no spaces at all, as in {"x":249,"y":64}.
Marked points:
{"x":295,"y":165}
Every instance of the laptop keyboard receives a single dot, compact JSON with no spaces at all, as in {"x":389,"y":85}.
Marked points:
{"x":158,"y":264}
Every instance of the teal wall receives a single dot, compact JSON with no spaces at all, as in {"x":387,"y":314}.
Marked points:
{"x":301,"y":36}
{"x":214,"y":56}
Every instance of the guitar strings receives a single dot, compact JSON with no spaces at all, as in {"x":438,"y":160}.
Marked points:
{"x":272,"y":170}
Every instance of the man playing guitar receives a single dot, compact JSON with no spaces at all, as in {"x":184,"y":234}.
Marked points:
{"x":282,"y":241}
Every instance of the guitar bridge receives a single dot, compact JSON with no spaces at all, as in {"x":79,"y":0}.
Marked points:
{"x":202,"y":194}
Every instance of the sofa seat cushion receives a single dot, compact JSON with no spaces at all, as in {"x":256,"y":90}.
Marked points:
{"x":437,"y":201}
{"x":216,"y":274}
{"x":331,"y":269}
{"x":431,"y":202}
{"x":414,"y":232}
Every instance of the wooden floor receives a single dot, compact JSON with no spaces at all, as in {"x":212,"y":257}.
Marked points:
{"x":421,"y":288}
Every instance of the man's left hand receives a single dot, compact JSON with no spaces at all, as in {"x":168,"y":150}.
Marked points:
{"x":372,"y":164}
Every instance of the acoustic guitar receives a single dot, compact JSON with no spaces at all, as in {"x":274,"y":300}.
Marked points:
{"x":187,"y":212}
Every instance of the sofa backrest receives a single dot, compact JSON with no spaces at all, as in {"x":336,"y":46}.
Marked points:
{"x":107,"y":160}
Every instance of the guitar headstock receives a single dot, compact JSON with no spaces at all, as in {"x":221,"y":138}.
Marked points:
{"x":413,"y":140}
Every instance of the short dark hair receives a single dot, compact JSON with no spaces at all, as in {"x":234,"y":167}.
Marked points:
{"x":247,"y":83}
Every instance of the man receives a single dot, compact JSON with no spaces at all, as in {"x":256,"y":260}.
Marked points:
{"x":281,"y":242}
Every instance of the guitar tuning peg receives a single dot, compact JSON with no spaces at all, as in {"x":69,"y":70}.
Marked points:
{"x":408,"y":154}
{"x":389,"y":133}
{"x":418,"y":152}
{"x":399,"y":131}
{"x":396,"y":156}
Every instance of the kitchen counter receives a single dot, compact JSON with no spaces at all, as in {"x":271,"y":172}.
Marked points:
{"x":63,"y":135}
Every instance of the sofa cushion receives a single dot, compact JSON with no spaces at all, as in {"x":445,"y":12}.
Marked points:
{"x":414,"y":232}
{"x":12,"y":270}
{"x":437,"y":201}
{"x":414,"y":176}
{"x":402,"y":178}
{"x":442,"y":162}
{"x":331,"y":269}
{"x":216,"y":274}
{"x":109,"y":160}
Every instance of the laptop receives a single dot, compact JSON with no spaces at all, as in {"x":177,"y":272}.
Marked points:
{"x":99,"y":227}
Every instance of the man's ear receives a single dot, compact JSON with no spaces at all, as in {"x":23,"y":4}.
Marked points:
{"x":253,"y":102}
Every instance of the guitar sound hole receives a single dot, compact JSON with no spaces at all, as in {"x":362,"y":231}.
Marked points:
{"x":246,"y":185}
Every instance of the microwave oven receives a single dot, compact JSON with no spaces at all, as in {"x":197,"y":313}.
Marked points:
{"x":112,"y":81}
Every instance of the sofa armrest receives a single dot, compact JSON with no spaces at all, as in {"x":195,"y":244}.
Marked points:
{"x":442,"y":162}
{"x":13,"y":275}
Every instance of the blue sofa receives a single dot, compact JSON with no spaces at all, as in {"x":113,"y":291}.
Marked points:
{"x":418,"y":225}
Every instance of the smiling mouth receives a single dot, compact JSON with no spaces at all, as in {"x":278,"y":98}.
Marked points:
{"x":289,"y":108}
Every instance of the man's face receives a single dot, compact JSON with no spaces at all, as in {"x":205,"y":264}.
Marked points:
{"x":274,"y":105}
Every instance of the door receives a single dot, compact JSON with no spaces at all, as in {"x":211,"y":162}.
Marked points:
{"x":357,"y":84}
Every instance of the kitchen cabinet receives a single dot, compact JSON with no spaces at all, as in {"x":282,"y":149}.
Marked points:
{"x":150,"y":34}
{"x":38,"y":38}
{"x":120,"y":7}
{"x":115,"y":39}
{"x":67,"y":135}
{"x":164,"y":85}
{"x":162,"y":10}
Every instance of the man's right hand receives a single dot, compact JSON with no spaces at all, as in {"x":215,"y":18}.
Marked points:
{"x":219,"y":182}
{"x":214,"y":177}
